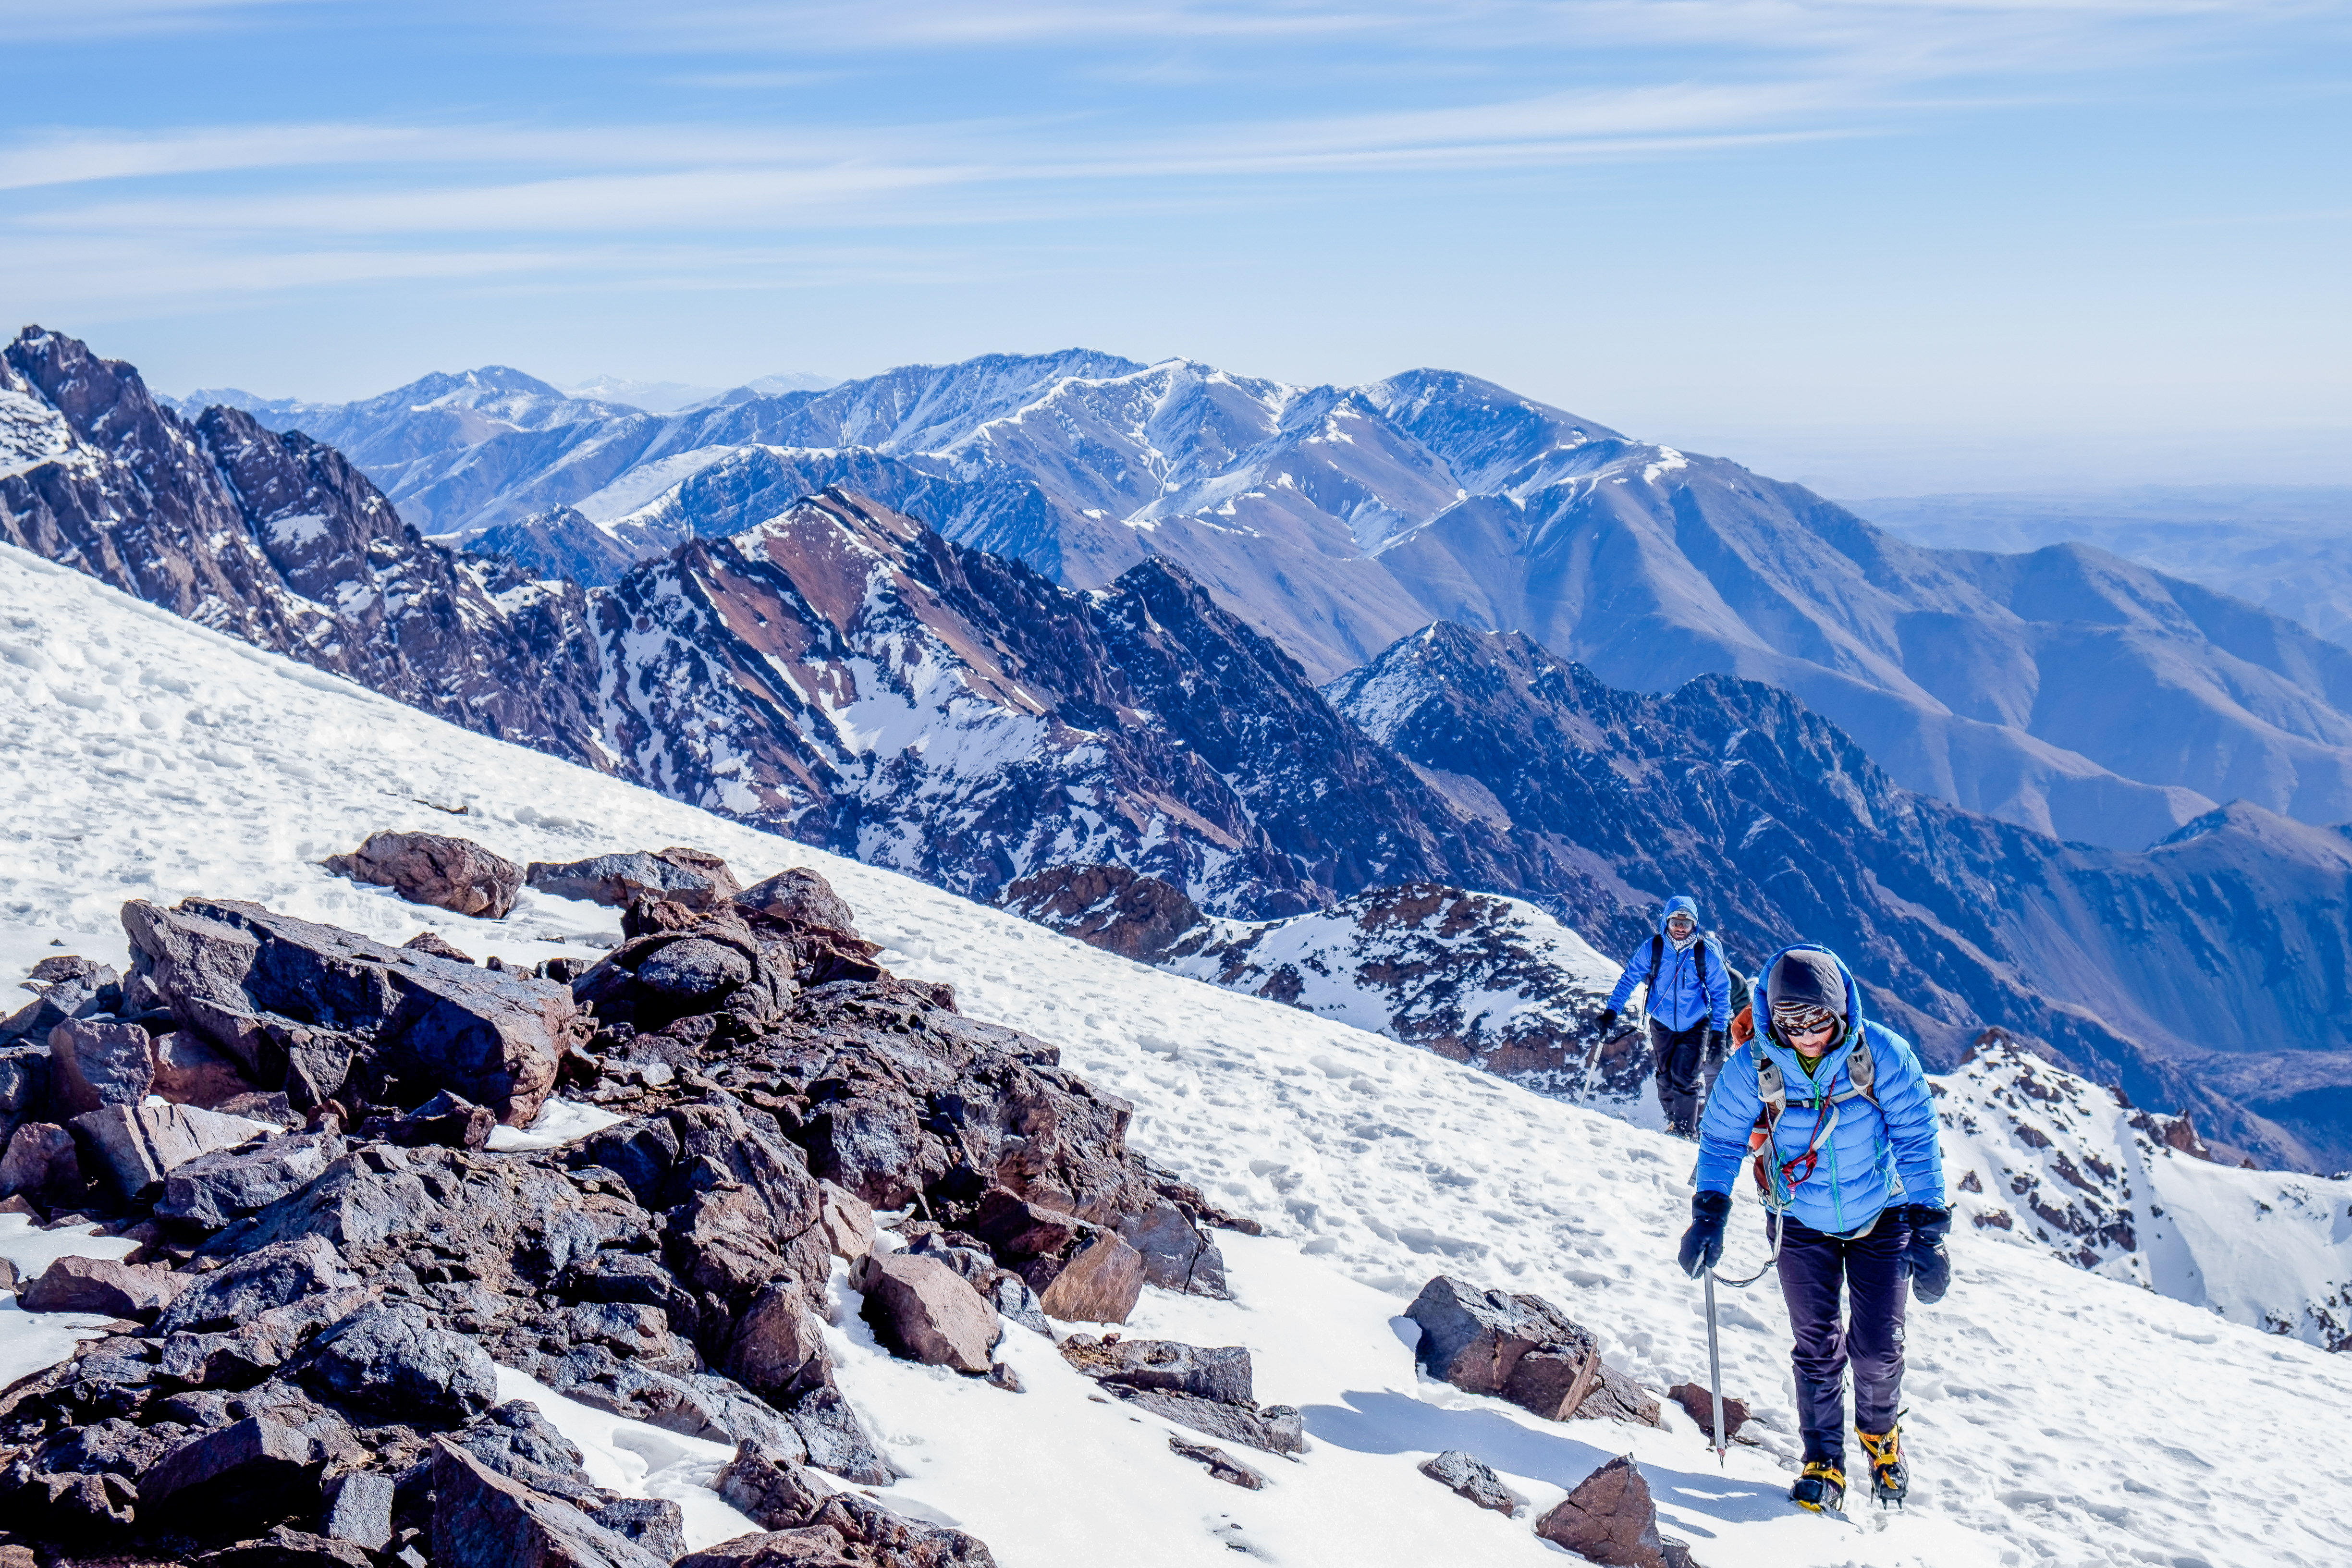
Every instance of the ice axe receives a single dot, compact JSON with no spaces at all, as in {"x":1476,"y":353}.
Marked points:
{"x":1715,"y":1373}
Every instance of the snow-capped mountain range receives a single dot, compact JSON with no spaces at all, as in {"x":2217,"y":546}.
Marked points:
{"x":2055,"y":1414}
{"x":2067,"y":689}
{"x":838,"y":672}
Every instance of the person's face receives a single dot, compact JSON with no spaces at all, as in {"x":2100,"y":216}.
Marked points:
{"x":1813,"y":1040}
{"x":1679,"y":926}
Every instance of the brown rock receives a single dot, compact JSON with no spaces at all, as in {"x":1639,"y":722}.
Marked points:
{"x":777,"y":1352}
{"x":1471,"y":1478}
{"x":1611,"y":1518}
{"x":42,"y":1163}
{"x":138,"y":1145}
{"x":189,"y":1073}
{"x":455,"y":874}
{"x":1698,"y":1403}
{"x":769,"y":1487}
{"x":1016,"y":1228}
{"x":104,"y":1286}
{"x":93,"y":1063}
{"x":802,"y":895}
{"x":848,"y":1222}
{"x":482,"y":1520}
{"x":1100,"y":1285}
{"x":922,"y":1309}
{"x":712,"y":869}
{"x":255,"y":1464}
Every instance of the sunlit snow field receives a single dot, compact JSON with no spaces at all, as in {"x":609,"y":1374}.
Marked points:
{"x":2053,"y":1416}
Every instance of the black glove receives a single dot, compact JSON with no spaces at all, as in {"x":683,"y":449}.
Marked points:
{"x":1703,"y":1241}
{"x":1609,"y":1018}
{"x":1925,"y":1261}
{"x":1714,"y":1046}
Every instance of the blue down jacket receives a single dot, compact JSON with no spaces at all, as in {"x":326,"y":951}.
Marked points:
{"x":1875,"y":1156}
{"x":1682,"y":996}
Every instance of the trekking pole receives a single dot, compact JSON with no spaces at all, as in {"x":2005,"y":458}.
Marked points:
{"x":1715,"y":1372}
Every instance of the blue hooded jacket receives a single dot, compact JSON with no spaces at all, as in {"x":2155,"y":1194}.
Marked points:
{"x":1876,"y":1155}
{"x":1682,"y":996}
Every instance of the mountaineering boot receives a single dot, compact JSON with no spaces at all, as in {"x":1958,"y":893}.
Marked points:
{"x":1821,"y":1487}
{"x":1890,"y":1477}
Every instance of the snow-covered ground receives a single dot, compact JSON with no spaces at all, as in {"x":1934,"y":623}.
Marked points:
{"x":2054,"y":1415}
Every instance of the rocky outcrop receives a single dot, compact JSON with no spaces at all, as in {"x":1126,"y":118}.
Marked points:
{"x":454,"y":874}
{"x":327,"y":1013}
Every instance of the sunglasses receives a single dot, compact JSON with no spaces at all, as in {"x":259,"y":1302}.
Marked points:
{"x":1798,"y":1020}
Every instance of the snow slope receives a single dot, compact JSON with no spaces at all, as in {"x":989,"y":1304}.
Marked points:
{"x":2054,"y":1415}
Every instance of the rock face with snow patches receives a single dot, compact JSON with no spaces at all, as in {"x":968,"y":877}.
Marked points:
{"x":280,"y":541}
{"x":2067,"y":689}
{"x":2040,"y":1158}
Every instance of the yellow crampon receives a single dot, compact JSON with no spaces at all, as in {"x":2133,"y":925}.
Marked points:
{"x":1821,"y":1487}
{"x":1890,"y":1477}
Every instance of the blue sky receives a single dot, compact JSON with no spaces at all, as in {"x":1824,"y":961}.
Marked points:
{"x":1883,"y":248}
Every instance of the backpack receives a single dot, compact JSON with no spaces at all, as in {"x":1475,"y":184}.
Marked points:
{"x":1773,"y":1088}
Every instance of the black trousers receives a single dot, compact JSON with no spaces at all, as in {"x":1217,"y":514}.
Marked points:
{"x":1814,"y":1266}
{"x":1680,"y":1054}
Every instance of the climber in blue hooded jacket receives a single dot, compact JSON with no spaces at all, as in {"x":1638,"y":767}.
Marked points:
{"x":1856,"y":1187}
{"x":1689,"y":1006}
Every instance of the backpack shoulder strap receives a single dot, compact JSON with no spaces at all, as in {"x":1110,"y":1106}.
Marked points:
{"x":1657,"y":957}
{"x":1861,"y":1068}
{"x":1770,"y":1087}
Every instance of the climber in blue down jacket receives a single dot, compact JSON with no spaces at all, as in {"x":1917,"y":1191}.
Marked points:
{"x":1855,"y":1173}
{"x":1689,"y":1006}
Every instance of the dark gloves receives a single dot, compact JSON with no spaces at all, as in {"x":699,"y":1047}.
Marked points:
{"x":1609,"y":1018}
{"x":1703,"y":1241}
{"x":1713,"y":1051}
{"x":1925,"y":1261}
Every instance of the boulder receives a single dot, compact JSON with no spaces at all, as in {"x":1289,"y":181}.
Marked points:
{"x":78,"y":989}
{"x":835,"y":1441}
{"x":1017,"y":1230}
{"x":359,"y":1509}
{"x":252,"y":1471}
{"x":24,"y":1086}
{"x":189,"y":1073}
{"x":777,"y":1352}
{"x":803,"y":897}
{"x":848,"y":1221}
{"x":244,"y":1354}
{"x":1523,"y":1349}
{"x":213,"y":1190}
{"x":849,"y":1530}
{"x":691,"y":878}
{"x":482,"y":1520}
{"x":137,"y":1146}
{"x":1611,"y":1518}
{"x":519,"y":1443}
{"x":95,"y":1062}
{"x":1221,"y":1373}
{"x":694,"y":969}
{"x":1471,"y":1476}
{"x":390,"y":1360}
{"x":1221,"y":1465}
{"x":454,"y":874}
{"x":135,"y":1290}
{"x":1698,"y":1403}
{"x":42,"y":1163}
{"x":306,"y":1003}
{"x":270,"y":1277}
{"x":1176,"y":1256}
{"x":921,"y":1309}
{"x":1101,"y":1284}
{"x":769,"y":1487}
